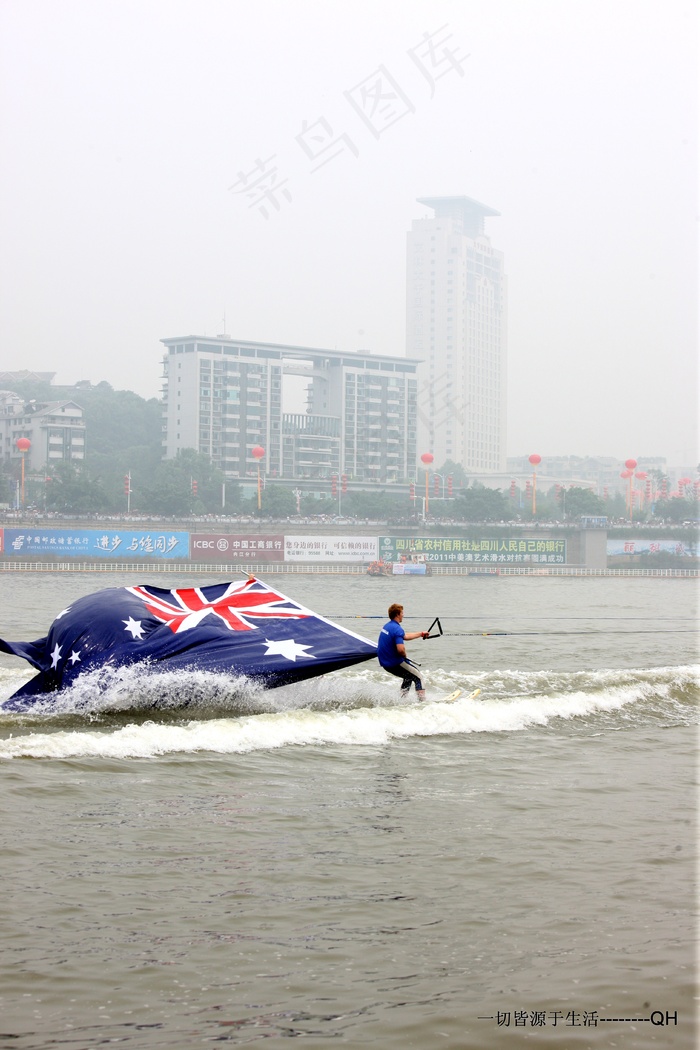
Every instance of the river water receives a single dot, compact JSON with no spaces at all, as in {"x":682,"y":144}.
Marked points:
{"x":323,"y":863}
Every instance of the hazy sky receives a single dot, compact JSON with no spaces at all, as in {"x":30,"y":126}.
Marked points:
{"x":133,"y":135}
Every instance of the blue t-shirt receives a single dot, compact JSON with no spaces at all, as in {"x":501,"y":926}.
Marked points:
{"x":391,"y":635}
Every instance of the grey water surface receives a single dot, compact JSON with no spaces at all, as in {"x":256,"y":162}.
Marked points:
{"x":325,"y":863}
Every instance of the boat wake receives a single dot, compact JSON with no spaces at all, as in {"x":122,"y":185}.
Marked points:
{"x":134,"y":714}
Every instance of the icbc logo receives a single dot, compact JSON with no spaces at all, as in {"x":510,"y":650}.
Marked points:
{"x":222,"y":544}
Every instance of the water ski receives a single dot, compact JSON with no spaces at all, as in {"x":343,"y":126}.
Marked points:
{"x":456,"y":695}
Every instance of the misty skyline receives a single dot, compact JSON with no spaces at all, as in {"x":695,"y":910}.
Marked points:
{"x":133,"y":134}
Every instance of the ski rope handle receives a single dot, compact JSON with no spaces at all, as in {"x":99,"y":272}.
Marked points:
{"x":435,"y":623}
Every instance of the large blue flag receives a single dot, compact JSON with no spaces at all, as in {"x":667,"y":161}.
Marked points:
{"x":243,"y":628}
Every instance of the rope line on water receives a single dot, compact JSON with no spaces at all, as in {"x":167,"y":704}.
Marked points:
{"x":533,"y":634}
{"x":382,"y":616}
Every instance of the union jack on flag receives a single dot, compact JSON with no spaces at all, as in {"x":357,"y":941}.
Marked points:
{"x":242,"y":629}
{"x":237,"y":607}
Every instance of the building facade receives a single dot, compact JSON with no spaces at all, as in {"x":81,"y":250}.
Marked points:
{"x":600,"y":473}
{"x":223,"y":396}
{"x":56,"y":430}
{"x":456,"y":323}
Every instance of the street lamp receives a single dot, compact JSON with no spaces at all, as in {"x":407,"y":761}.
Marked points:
{"x":641,"y":475}
{"x":427,"y":458}
{"x":257,"y":453}
{"x":23,"y":446}
{"x":534,"y":460}
{"x":562,"y":500}
{"x":630,"y":464}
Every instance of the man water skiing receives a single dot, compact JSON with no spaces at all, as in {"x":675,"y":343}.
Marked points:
{"x":391,"y":652}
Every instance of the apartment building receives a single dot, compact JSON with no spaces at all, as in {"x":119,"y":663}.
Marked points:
{"x":55,"y":429}
{"x":456,"y":323}
{"x":223,"y":397}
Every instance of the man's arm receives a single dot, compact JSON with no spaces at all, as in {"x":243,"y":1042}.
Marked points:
{"x":410,"y":637}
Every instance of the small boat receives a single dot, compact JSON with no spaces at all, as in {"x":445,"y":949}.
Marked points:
{"x":412,"y":564}
{"x":410,"y":568}
{"x":379,"y":568}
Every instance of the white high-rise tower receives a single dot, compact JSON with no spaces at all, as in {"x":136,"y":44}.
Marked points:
{"x":456,"y":323}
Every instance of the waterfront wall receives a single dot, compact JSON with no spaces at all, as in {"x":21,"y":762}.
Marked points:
{"x":485,"y":547}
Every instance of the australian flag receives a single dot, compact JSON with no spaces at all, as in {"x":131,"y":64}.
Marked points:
{"x":244,"y":628}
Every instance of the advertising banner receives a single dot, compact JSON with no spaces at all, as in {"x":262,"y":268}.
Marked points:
{"x":219,"y":547}
{"x":330,"y":548}
{"x":97,"y":543}
{"x":488,"y":551}
{"x":617,"y":547}
{"x":2,"y":536}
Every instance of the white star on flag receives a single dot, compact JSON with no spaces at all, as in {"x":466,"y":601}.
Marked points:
{"x":74,"y":657}
{"x":135,"y":627}
{"x":55,"y":655}
{"x":288,"y":648}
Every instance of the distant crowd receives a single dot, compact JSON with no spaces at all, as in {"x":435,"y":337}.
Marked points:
{"x":34,"y":517}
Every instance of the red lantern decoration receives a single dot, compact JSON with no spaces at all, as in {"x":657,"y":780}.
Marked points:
{"x":412,"y":490}
{"x":535,"y":460}
{"x":344,"y":480}
{"x":641,"y":475}
{"x":334,"y":485}
{"x":23,"y":444}
{"x":436,"y":485}
{"x":449,"y":486}
{"x":258,"y":452}
{"x":626,"y":474}
{"x":512,"y":489}
{"x":427,"y":458}
{"x":630,"y":464}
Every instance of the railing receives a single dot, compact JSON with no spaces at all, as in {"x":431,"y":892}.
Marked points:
{"x":271,"y":568}
{"x":558,"y":570}
{"x":181,"y":568}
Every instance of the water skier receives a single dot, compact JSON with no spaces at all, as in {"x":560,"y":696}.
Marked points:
{"x":391,"y":652}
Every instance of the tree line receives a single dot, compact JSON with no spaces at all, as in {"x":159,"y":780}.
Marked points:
{"x":124,"y":448}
